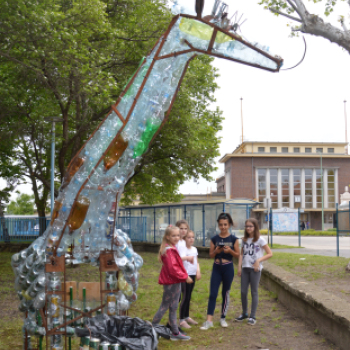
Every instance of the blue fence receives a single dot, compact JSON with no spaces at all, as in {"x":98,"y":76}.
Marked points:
{"x":24,"y":229}
{"x":21,"y":229}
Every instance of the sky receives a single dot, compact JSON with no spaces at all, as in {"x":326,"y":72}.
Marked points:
{"x":302,"y":104}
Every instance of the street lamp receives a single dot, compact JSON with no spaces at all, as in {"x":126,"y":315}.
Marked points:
{"x":322,"y":191}
{"x":53,"y":120}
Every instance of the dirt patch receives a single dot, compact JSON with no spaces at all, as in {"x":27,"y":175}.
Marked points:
{"x":336,"y":286}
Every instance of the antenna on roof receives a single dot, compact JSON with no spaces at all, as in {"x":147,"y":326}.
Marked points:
{"x":346,"y":129}
{"x":199,"y":8}
{"x":242,"y":122}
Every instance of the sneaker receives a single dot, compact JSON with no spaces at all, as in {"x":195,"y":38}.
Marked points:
{"x":179,"y":336}
{"x":241,"y":318}
{"x":223,"y":322}
{"x":207,"y":325}
{"x":190,"y":321}
{"x":251,"y":321}
{"x":184,"y":324}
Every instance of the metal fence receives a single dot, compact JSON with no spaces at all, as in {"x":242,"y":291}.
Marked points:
{"x":201,"y":218}
{"x":25,"y":230}
{"x":21,"y":229}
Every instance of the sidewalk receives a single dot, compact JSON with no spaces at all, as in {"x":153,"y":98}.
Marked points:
{"x":326,"y":246}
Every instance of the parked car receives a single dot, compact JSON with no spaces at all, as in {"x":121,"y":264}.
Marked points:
{"x":161,"y":229}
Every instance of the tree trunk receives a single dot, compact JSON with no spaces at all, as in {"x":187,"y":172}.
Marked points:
{"x":3,"y":225}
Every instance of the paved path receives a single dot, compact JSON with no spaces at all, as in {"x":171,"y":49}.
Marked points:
{"x":315,"y":245}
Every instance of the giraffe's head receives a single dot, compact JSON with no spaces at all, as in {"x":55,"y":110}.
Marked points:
{"x":216,"y":35}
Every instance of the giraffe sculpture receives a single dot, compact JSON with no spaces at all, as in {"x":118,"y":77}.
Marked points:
{"x":83,"y":220}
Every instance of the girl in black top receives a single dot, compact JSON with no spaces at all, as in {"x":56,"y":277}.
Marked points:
{"x":222,"y":248}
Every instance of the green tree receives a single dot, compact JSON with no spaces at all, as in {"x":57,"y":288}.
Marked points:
{"x":23,"y":205}
{"x":309,"y":23}
{"x":72,"y":59}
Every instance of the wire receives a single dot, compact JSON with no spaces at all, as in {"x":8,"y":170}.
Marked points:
{"x":301,"y":59}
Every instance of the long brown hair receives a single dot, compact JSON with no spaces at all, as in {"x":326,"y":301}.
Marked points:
{"x":255,"y":223}
{"x":180,"y":222}
{"x":165,"y":241}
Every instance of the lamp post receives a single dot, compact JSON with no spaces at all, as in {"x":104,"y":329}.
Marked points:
{"x":53,"y":120}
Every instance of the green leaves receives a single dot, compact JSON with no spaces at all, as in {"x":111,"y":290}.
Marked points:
{"x":23,"y":205}
{"x":71,"y":59}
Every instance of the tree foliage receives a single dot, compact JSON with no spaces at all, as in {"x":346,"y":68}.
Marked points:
{"x":23,"y":205}
{"x":309,"y":23}
{"x":71,"y":59}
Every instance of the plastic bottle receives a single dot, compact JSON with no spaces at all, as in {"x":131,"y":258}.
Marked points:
{"x":79,"y":211}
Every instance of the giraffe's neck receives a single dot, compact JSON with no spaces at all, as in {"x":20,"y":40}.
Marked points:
{"x":142,"y":121}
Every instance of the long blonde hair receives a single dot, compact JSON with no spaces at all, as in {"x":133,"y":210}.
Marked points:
{"x":166,"y":241}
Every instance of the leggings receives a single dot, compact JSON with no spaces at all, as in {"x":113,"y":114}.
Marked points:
{"x":171,"y":294}
{"x":221,"y":273}
{"x":249,"y":276}
{"x":186,"y":289}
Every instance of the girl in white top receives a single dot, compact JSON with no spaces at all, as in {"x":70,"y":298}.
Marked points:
{"x":184,"y":229}
{"x":193,"y":271}
{"x":250,"y":266}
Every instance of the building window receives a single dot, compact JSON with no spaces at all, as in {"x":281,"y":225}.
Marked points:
{"x":318,"y":188}
{"x":331,"y":188}
{"x":319,"y":150}
{"x":261,"y":184}
{"x":296,"y":149}
{"x":297,"y":187}
{"x":261,"y":149}
{"x":274,"y":188}
{"x":285,"y":187}
{"x":284,"y":149}
{"x":308,"y":188}
{"x":307,"y":149}
{"x":273,"y":149}
{"x":330,"y":150}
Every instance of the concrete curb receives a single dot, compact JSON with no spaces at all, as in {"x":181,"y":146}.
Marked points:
{"x":322,"y":310}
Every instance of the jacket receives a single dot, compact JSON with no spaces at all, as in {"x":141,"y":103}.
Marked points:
{"x":173,"y":270}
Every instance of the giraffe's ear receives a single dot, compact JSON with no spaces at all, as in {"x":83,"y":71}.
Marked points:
{"x":199,"y":7}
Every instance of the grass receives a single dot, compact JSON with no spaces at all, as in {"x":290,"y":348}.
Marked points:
{"x":313,"y":267}
{"x":309,"y":232}
{"x":271,"y":315}
{"x":283,"y":246}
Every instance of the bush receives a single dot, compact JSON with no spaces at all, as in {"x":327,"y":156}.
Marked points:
{"x":309,"y":232}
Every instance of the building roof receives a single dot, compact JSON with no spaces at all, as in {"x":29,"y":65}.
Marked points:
{"x":252,"y":149}
{"x":236,"y":201}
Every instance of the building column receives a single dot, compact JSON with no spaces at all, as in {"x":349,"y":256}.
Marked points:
{"x":302,"y":189}
{"x":228,"y":183}
{"x":336,"y":188}
{"x":256,"y":185}
{"x":268,"y":191}
{"x":291,"y":189}
{"x":314,"y":197}
{"x":279,"y":188}
{"x":325,"y":188}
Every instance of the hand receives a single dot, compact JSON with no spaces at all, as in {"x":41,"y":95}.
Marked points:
{"x":239,"y":272}
{"x":256,"y":266}
{"x":189,"y":280}
{"x":190,"y":259}
{"x":218,"y":249}
{"x":198,"y":275}
{"x":227,"y":250}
